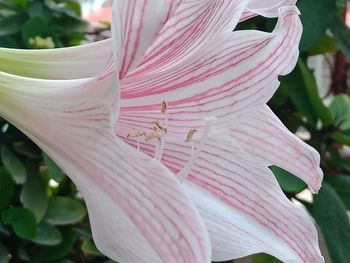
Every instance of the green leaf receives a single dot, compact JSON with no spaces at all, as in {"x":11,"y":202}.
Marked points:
{"x":311,"y":86}
{"x":331,"y":215}
{"x":22,"y":221}
{"x":4,"y":254}
{"x":90,"y":248}
{"x":340,"y":110}
{"x":44,"y":254}
{"x":288,"y":182}
{"x":341,"y":34}
{"x":341,"y":184}
{"x":47,"y":234}
{"x":27,"y":149}
{"x":341,"y":138}
{"x":61,"y":261}
{"x":7,"y":188}
{"x":54,"y":171}
{"x":13,"y":165}
{"x":297,"y":93}
{"x":22,"y":3}
{"x":33,"y":195}
{"x":302,"y":89}
{"x":264,"y":258}
{"x":327,"y":44}
{"x":32,"y":28}
{"x":39,"y":10}
{"x":314,"y":14}
{"x":341,"y":5}
{"x":12,"y":24}
{"x":64,"y":211}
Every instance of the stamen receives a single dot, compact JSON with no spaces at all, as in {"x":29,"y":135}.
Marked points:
{"x":190,"y":135}
{"x":161,"y":127}
{"x":138,"y":145}
{"x":164,"y":111}
{"x":182,"y":175}
{"x":136,"y":134}
{"x":156,"y":135}
{"x":164,"y":107}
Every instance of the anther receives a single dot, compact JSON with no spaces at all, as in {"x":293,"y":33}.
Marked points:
{"x":156,"y":135}
{"x":161,"y":127}
{"x":190,"y":135}
{"x":136,"y":134}
{"x":164,"y":106}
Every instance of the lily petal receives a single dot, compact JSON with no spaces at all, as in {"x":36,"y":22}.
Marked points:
{"x":267,"y":8}
{"x":62,"y":63}
{"x":265,"y":136}
{"x":135,"y":25}
{"x":240,"y":199}
{"x":233,"y":75}
{"x":145,"y":215}
{"x":193,"y":24}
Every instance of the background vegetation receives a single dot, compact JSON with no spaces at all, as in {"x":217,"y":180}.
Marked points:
{"x":43,"y":217}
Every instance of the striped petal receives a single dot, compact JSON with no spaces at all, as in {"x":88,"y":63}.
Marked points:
{"x":138,"y":210}
{"x":265,"y":136}
{"x":61,"y":63}
{"x":242,"y":204}
{"x":267,"y":8}
{"x":234,"y":75}
{"x":193,"y":24}
{"x":135,"y":25}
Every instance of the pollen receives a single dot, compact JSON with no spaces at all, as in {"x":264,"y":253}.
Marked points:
{"x":136,"y":134}
{"x":161,"y":127}
{"x":156,"y":135}
{"x":190,"y":135}
{"x":164,"y":107}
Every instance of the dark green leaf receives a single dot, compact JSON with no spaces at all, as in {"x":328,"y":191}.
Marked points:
{"x":302,"y":89}
{"x":59,"y":251}
{"x":264,"y":258}
{"x":34,"y":27}
{"x":64,"y":211}
{"x":22,"y":3}
{"x":288,"y":181}
{"x":331,"y":215}
{"x":13,"y":165}
{"x":90,"y":248}
{"x":341,"y":184}
{"x":341,"y":138}
{"x":340,"y":109}
{"x":12,"y":24}
{"x":341,"y":5}
{"x":327,"y":44}
{"x":54,"y":171}
{"x":47,"y":234}
{"x":311,"y":86}
{"x":27,"y":149}
{"x":33,"y":195}
{"x":61,"y":261}
{"x":341,"y":34}
{"x":314,"y":14}
{"x":39,"y":10}
{"x":22,"y":221}
{"x":7,"y":187}
{"x":4,"y":254}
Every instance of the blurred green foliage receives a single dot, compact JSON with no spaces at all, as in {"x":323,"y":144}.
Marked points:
{"x":40,"y":23}
{"x":42,"y":215}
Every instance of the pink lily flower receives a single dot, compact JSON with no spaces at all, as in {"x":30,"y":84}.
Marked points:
{"x":165,"y":130}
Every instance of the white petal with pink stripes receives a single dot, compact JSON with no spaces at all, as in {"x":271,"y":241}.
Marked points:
{"x":233,"y":76}
{"x":265,"y":136}
{"x":138,"y":210}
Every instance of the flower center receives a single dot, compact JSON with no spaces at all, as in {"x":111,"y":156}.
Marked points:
{"x":159,"y":136}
